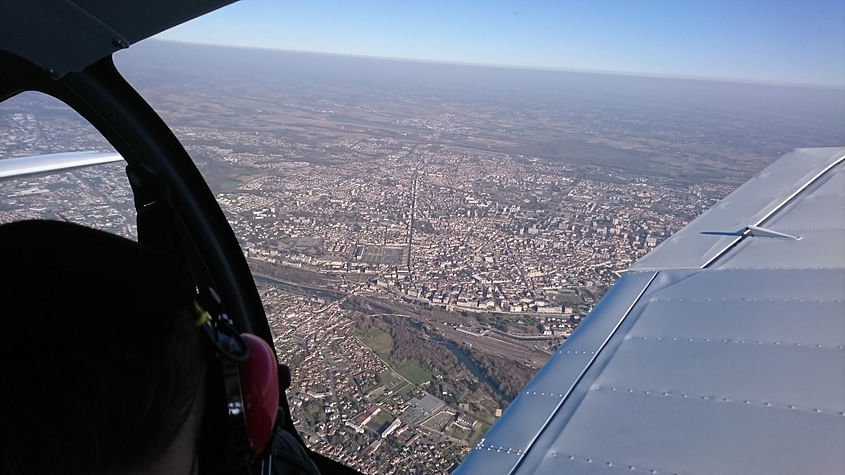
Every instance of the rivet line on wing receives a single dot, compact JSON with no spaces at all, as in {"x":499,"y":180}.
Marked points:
{"x":498,"y":448}
{"x":734,"y":341}
{"x":609,"y":464}
{"x":709,"y":398}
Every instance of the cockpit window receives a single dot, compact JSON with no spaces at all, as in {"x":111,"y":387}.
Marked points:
{"x":425,"y":235}
{"x":34,"y":124}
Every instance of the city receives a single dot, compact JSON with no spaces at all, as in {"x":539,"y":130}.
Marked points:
{"x":417,"y":261}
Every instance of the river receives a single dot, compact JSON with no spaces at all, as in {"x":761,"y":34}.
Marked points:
{"x":475,"y":370}
{"x":453,"y":348}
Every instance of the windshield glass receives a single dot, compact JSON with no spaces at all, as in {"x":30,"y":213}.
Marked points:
{"x":33,"y":124}
{"x":424,"y":234}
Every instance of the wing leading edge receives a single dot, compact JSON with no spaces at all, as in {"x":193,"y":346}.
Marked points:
{"x":721,"y":351}
{"x":38,"y":164}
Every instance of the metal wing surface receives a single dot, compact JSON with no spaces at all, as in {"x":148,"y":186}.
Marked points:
{"x":40,"y":164}
{"x":721,"y":351}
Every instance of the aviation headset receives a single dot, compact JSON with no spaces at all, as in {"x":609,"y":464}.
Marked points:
{"x":50,"y":271}
{"x":249,"y":373}
{"x":247,"y":365}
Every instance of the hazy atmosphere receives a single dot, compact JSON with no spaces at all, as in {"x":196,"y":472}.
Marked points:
{"x":780,"y":41}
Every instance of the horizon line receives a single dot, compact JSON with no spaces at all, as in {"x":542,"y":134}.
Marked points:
{"x":639,"y":74}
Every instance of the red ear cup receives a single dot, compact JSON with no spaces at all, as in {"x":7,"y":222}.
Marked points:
{"x":260,"y":388}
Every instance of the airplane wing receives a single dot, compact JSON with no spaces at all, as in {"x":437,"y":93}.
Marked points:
{"x":721,"y":351}
{"x":38,"y":164}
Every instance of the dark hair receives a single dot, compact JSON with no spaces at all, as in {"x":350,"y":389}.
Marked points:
{"x":100,"y":360}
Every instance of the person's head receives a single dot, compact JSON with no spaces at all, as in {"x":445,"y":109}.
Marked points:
{"x":102,"y":367}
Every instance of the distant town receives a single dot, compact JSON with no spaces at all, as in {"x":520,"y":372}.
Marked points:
{"x":419,"y":256}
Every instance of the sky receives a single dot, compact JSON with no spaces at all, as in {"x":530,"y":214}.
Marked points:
{"x":781,"y":41}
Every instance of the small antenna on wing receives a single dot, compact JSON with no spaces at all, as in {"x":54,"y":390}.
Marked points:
{"x":757,"y":231}
{"x":753,"y":231}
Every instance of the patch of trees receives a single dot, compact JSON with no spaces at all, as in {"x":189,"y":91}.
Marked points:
{"x":365,"y":323}
{"x":510,"y":376}
{"x":408,"y":345}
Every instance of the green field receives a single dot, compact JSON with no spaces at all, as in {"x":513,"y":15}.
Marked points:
{"x":383,"y":417}
{"x":412,"y":370}
{"x":379,"y":340}
{"x":405,"y":391}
